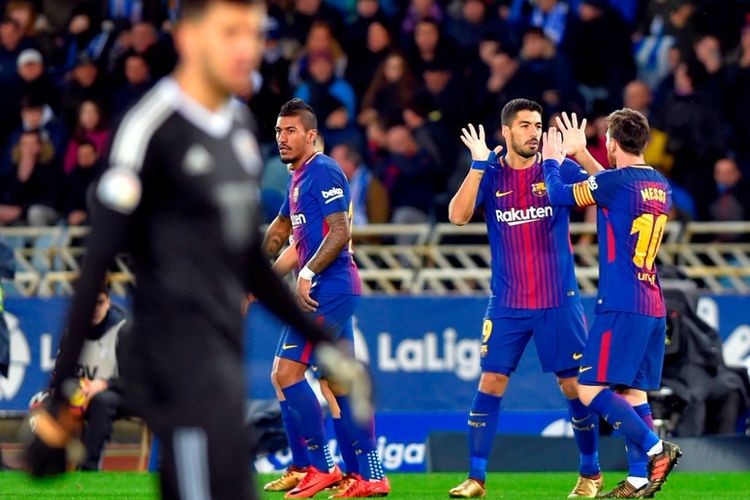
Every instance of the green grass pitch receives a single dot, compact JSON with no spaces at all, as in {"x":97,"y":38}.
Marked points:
{"x":127,"y":485}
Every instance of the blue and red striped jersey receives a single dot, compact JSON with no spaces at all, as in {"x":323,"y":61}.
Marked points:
{"x":317,"y":189}
{"x":633,"y":206}
{"x":532,"y":259}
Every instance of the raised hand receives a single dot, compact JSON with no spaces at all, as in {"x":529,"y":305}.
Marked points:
{"x":475,"y":142}
{"x":574,"y":135}
{"x":552,"y":145}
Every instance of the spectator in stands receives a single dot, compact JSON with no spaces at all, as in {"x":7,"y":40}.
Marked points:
{"x":137,"y":83}
{"x":407,"y":173}
{"x":390,"y":92}
{"x":78,"y":181}
{"x":36,"y":115}
{"x":692,"y":122}
{"x":320,"y":39}
{"x":473,"y":23}
{"x":501,"y":87}
{"x":82,"y":37}
{"x":30,"y":194}
{"x":429,"y":45}
{"x":637,"y":96}
{"x":440,"y":105}
{"x":418,"y":11}
{"x":24,"y":13}
{"x":543,"y":75}
{"x":34,"y":80}
{"x":10,"y":47}
{"x":331,"y":97}
{"x":91,"y":127}
{"x":601,"y":69}
{"x":306,"y":12}
{"x":368,"y":12}
{"x":85,"y":84}
{"x":364,"y":63}
{"x":732,"y":201}
{"x":143,"y":40}
{"x":738,"y":81}
{"x":551,"y":16}
{"x":272,"y":88}
{"x":369,"y":197}
{"x":126,"y":13}
{"x":11,"y":36}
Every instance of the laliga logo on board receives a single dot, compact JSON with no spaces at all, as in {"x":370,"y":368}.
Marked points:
{"x":423,"y":355}
{"x":20,"y":358}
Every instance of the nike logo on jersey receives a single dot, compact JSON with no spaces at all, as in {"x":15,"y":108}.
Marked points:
{"x":500,"y":195}
{"x":582,"y":369}
{"x":579,"y":420}
{"x":288,"y":346}
{"x":577,"y":355}
{"x":472,"y":414}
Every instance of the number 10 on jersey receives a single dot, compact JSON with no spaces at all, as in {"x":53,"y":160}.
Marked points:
{"x":650,"y":230}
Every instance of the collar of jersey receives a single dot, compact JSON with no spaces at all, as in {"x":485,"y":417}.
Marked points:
{"x":505,"y":165}
{"x":214,"y":123}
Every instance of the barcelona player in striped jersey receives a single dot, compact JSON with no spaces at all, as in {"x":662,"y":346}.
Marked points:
{"x":534,"y":290}
{"x":317,"y":215}
{"x":625,"y":347}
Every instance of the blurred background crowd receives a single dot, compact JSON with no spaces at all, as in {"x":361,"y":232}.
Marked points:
{"x":392,"y":83}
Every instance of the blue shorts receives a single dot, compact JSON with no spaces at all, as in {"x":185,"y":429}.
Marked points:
{"x":624,"y":349}
{"x":334,"y":313}
{"x":559,"y":335}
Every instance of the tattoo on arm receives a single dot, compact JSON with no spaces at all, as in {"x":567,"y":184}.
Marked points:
{"x":276,"y":235}
{"x":337,"y":238}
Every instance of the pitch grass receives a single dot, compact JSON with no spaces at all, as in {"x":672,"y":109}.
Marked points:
{"x":133,"y":485}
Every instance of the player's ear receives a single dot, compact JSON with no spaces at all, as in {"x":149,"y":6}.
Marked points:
{"x":505,"y":131}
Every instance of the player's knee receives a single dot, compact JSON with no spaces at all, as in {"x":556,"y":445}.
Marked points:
{"x":569,"y":387}
{"x":275,"y":379}
{"x":493,"y":383}
{"x":587,"y":393}
{"x":634,"y":396}
{"x":288,"y":374}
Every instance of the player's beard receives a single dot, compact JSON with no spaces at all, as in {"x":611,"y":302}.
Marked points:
{"x":289,"y":157}
{"x":524,"y":150}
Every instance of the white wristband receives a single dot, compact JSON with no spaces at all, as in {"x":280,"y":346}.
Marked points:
{"x":306,"y":273}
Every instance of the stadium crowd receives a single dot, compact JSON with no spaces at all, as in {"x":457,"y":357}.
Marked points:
{"x":392,"y":83}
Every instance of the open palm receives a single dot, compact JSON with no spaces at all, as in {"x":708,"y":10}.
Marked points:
{"x":574,"y":135}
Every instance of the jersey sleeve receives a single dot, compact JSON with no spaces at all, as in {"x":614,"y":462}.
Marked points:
{"x":597,"y":189}
{"x":571,"y":172}
{"x":331,"y":191}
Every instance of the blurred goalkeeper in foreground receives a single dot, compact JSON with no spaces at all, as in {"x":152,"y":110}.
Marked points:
{"x":181,"y":196}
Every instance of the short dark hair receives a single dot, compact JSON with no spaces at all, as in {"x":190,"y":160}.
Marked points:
{"x":298,"y":107}
{"x":511,"y":109}
{"x":630,"y":129}
{"x":196,"y":8}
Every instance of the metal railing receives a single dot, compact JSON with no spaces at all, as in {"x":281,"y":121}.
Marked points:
{"x":412,"y":259}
